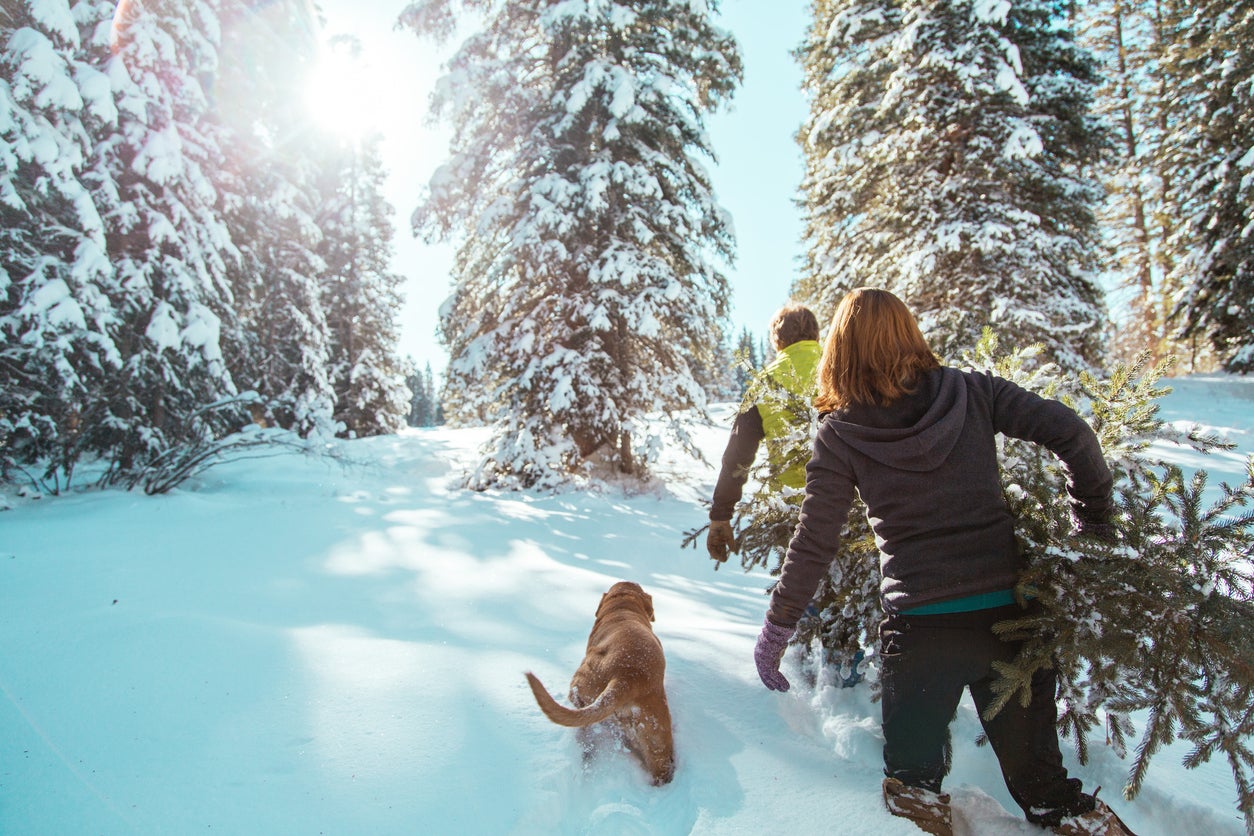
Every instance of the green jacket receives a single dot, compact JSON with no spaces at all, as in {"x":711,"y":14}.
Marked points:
{"x":783,"y":393}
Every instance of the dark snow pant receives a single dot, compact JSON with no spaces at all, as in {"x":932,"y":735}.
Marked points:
{"x":926,"y":662}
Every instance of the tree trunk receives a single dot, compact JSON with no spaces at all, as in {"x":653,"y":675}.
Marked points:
{"x":626,"y":463}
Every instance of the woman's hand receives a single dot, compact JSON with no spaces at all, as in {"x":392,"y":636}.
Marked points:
{"x":772,"y":642}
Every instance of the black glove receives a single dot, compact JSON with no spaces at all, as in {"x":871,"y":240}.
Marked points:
{"x":1095,"y":529}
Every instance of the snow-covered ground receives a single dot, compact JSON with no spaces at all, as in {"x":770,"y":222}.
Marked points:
{"x":298,"y":646}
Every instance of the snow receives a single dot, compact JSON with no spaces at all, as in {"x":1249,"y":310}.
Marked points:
{"x":163,"y":328}
{"x":295,"y":645}
{"x":1024,"y":142}
{"x":39,"y":63}
{"x":55,"y":17}
{"x":990,"y":11}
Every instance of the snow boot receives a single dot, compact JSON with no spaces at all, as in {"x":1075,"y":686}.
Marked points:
{"x":928,"y":810}
{"x":1100,"y":821}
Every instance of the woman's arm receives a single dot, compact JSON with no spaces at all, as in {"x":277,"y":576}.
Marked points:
{"x":1054,"y":425}
{"x":829,"y":494}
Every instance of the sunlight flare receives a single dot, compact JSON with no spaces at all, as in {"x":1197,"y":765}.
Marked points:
{"x":341,"y":94}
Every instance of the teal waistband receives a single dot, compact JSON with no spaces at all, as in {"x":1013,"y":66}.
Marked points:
{"x":968,"y":603}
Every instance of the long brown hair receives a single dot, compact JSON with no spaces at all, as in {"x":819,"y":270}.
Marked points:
{"x":874,"y":352}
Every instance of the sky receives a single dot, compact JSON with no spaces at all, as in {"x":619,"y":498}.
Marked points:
{"x":756,"y":177}
{"x":300,"y":645}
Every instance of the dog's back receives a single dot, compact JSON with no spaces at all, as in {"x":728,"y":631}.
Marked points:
{"x":621,"y":678}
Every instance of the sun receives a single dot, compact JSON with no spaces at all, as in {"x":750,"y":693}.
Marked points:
{"x":341,"y":92}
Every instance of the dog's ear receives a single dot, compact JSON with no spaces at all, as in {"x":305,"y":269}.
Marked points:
{"x":648,"y":605}
{"x":601,"y":605}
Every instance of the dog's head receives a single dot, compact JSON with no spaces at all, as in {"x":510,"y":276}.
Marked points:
{"x":626,"y":593}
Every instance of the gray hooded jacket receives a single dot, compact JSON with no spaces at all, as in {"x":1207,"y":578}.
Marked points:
{"x":926,"y":468}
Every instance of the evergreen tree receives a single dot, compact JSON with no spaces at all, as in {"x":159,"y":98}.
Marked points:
{"x":55,"y":315}
{"x":847,"y":60}
{"x":361,"y":296}
{"x":417,"y":395}
{"x":169,"y":247}
{"x":717,"y":372}
{"x":750,"y":357}
{"x":281,"y":343}
{"x":1213,"y":65}
{"x":424,"y":404}
{"x":585,"y":294}
{"x":1142,"y":101}
{"x":1121,"y":35}
{"x":947,"y":149}
{"x":437,"y":405}
{"x":846,"y":612}
{"x":1158,"y":624}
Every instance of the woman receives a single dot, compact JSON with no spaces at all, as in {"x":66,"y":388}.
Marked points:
{"x":916,"y":440}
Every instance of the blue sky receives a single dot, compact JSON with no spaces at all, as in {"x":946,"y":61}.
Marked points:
{"x":756,"y":177}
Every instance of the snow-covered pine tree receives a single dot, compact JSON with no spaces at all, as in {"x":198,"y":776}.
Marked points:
{"x":167,"y":242}
{"x":715,"y":372}
{"x":585,"y":289}
{"x":947,"y":149}
{"x":269,"y":191}
{"x":361,"y":295}
{"x":55,"y":317}
{"x":1213,"y":153}
{"x":424,"y":407}
{"x":750,"y":356}
{"x":1125,"y":36}
{"x":847,"y":59}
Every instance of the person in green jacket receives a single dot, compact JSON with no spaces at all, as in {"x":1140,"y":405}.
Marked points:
{"x":779,"y":398}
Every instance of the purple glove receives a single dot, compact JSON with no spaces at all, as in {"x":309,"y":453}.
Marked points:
{"x":772,"y":642}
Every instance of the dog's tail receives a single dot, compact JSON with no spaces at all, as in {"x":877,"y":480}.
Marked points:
{"x":599,"y":709}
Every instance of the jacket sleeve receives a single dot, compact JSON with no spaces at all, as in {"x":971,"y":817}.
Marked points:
{"x":830,"y":491}
{"x":1022,"y":414}
{"x":742,"y":447}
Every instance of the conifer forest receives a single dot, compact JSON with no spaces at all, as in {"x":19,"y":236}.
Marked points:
{"x":187,"y":263}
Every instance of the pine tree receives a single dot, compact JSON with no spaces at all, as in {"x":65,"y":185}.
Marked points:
{"x":585,"y":294}
{"x":437,"y":404}
{"x":418,"y":407}
{"x":1140,"y":220}
{"x":169,"y":247}
{"x":1158,"y":624}
{"x":424,"y":402}
{"x":280,"y":346}
{"x":750,"y":357}
{"x":1121,"y":35}
{"x":361,"y":295}
{"x":845,"y":614}
{"x":847,"y":59}
{"x":947,"y":152}
{"x":1214,"y":151}
{"x":55,"y":316}
{"x":716,"y":373}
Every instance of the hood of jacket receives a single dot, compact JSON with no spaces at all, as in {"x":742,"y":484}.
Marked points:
{"x":924,"y":440}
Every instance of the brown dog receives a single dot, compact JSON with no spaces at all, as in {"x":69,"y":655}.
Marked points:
{"x":620,"y":680}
